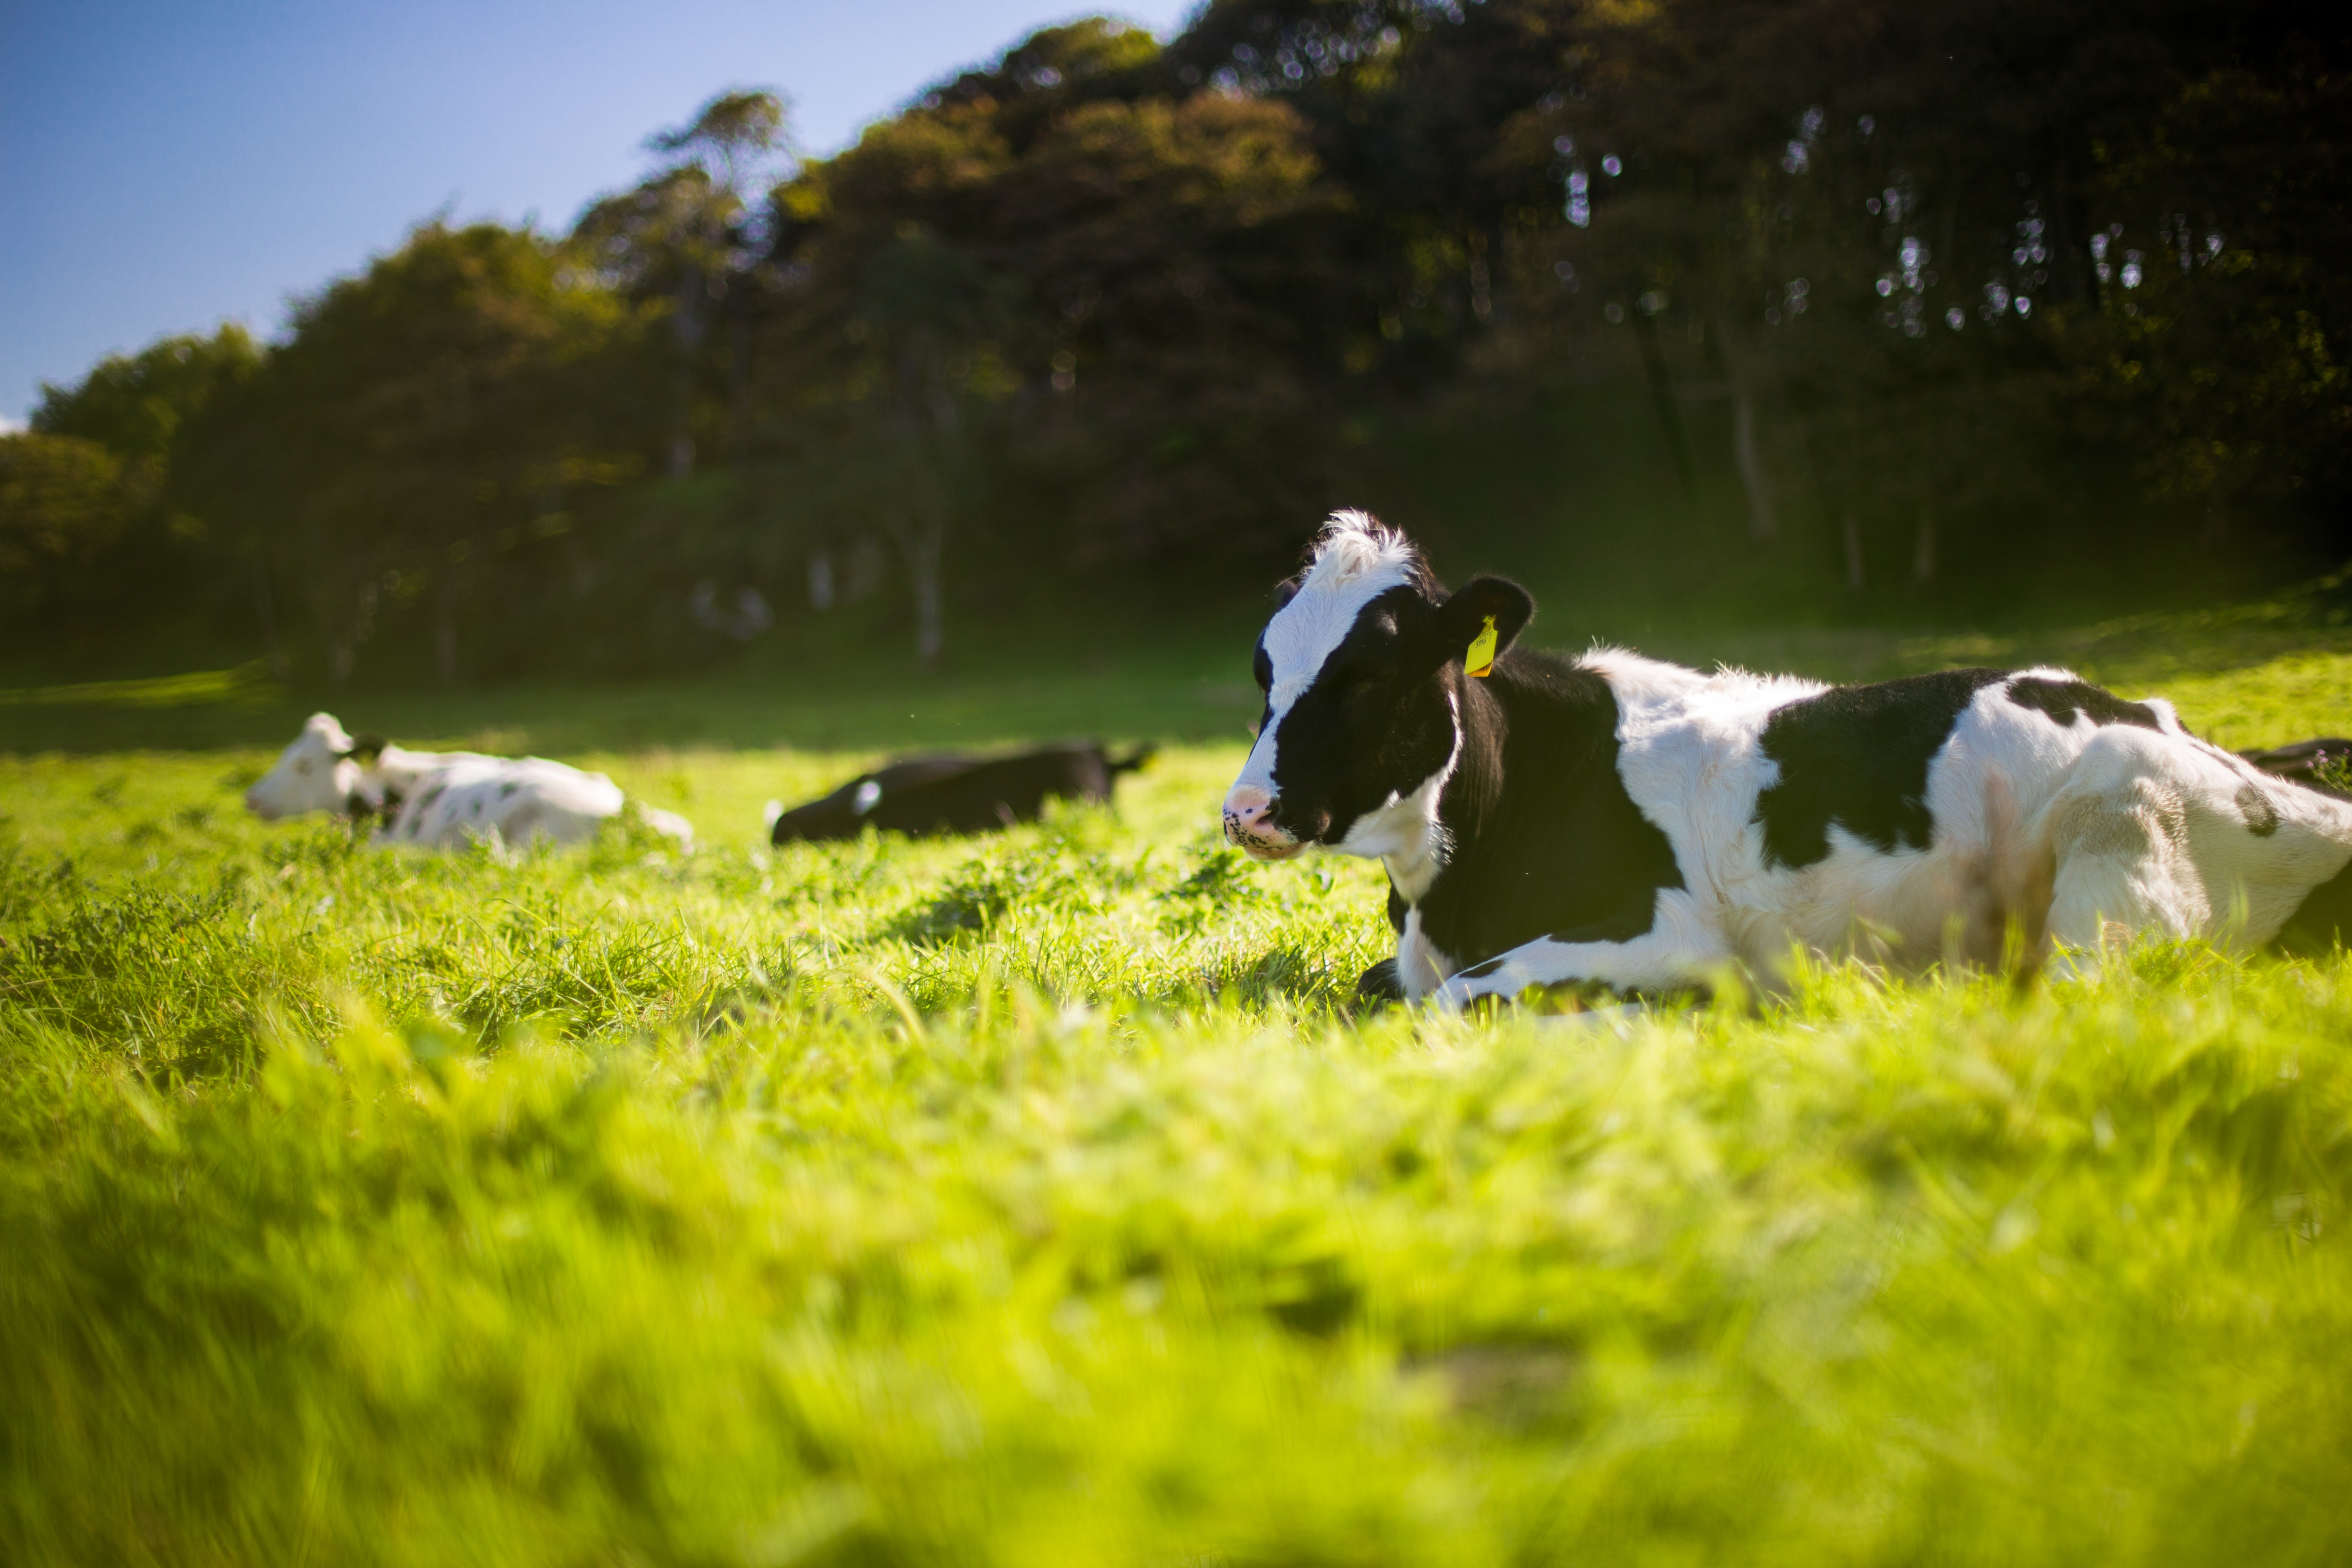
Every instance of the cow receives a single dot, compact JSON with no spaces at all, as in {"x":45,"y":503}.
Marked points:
{"x":1621,"y":822}
{"x":442,"y":800}
{"x":952,"y":793}
{"x":2308,"y":762}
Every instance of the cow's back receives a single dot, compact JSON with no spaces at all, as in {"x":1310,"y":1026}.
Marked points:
{"x":1907,"y":811}
{"x":514,"y":801}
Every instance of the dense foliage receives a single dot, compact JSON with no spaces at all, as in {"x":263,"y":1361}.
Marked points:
{"x":1892,"y":294}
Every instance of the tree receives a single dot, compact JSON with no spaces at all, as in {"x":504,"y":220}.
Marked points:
{"x":420,"y":418}
{"x":134,"y":406}
{"x":1906,"y":274}
{"x":2221,"y":326}
{"x":66,"y":503}
{"x":1884,"y":228}
{"x":691,"y":234}
{"x":150,"y":555}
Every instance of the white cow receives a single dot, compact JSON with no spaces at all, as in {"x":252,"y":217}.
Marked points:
{"x":442,"y":800}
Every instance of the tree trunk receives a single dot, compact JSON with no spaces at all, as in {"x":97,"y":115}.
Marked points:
{"x":2216,"y":531}
{"x":341,"y":618}
{"x":266,"y":609}
{"x":1852,"y":528}
{"x":1662,"y":397}
{"x":1482,"y":281}
{"x":445,"y":627}
{"x":1762,"y":520}
{"x":739,"y":365}
{"x":686,"y":329}
{"x":930,"y":611}
{"x":921,"y":537}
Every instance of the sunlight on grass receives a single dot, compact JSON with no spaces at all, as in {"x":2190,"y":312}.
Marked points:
{"x":247,"y":682}
{"x":1043,"y":1198}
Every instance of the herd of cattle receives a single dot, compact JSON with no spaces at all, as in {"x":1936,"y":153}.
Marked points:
{"x":1608,"y":820}
{"x":447,"y":800}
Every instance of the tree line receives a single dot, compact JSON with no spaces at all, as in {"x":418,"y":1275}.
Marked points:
{"x":1892,"y":289}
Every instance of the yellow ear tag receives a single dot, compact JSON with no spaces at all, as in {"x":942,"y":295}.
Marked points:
{"x":1480,"y":659}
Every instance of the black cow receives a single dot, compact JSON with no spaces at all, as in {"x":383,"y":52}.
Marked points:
{"x":2304,"y":763}
{"x":957,"y":794}
{"x":1617,"y":820}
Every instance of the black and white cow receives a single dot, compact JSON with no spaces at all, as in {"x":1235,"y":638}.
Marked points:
{"x":442,"y":800}
{"x":1617,"y":820}
{"x":957,"y":793}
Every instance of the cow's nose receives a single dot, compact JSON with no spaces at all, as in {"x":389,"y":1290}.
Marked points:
{"x":1249,"y":814}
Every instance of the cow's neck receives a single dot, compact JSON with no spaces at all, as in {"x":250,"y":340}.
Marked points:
{"x":1415,"y":835}
{"x":1474,"y":781}
{"x":1406,"y":834}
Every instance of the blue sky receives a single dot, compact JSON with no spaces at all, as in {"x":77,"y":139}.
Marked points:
{"x":165,"y":166}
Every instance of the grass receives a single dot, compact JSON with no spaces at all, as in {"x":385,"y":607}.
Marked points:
{"x":1041,"y":1199}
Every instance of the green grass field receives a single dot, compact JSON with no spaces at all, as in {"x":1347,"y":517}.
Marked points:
{"x":1039,"y":1199}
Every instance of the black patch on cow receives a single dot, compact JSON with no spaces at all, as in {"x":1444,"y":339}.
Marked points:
{"x":1624,"y":925}
{"x":2319,"y":925}
{"x":2061,"y":702}
{"x":506,"y":790}
{"x":1857,"y":756}
{"x":1480,"y":971}
{"x":1546,"y":837}
{"x":1397,"y":907}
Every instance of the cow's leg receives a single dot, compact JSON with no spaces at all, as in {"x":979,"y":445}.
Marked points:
{"x":1679,"y":949}
{"x":1380,"y":984}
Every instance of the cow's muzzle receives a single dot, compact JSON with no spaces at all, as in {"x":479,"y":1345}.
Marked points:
{"x":1251,"y":828}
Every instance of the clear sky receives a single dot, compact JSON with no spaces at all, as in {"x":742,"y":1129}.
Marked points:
{"x":167,"y":165}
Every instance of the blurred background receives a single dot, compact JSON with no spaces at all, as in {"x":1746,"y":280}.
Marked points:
{"x":1727,"y":311}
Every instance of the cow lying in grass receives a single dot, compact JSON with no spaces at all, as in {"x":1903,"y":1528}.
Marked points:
{"x":442,"y":800}
{"x":954,"y":794}
{"x":1615,"y":820}
{"x":2319,"y":764}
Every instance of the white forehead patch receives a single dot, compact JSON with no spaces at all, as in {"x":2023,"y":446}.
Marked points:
{"x":1356,"y":561}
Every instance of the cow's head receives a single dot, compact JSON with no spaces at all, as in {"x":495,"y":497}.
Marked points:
{"x":323,"y":770}
{"x":1362,"y":670}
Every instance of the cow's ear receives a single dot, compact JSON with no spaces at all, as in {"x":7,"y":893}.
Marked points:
{"x":1288,"y":590}
{"x":366,"y":748}
{"x":1461,"y":619}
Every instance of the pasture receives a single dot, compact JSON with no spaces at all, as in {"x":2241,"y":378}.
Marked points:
{"x":1043,"y":1198}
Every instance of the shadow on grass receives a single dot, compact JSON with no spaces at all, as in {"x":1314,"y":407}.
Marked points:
{"x":221,"y":709}
{"x":1184,"y":689}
